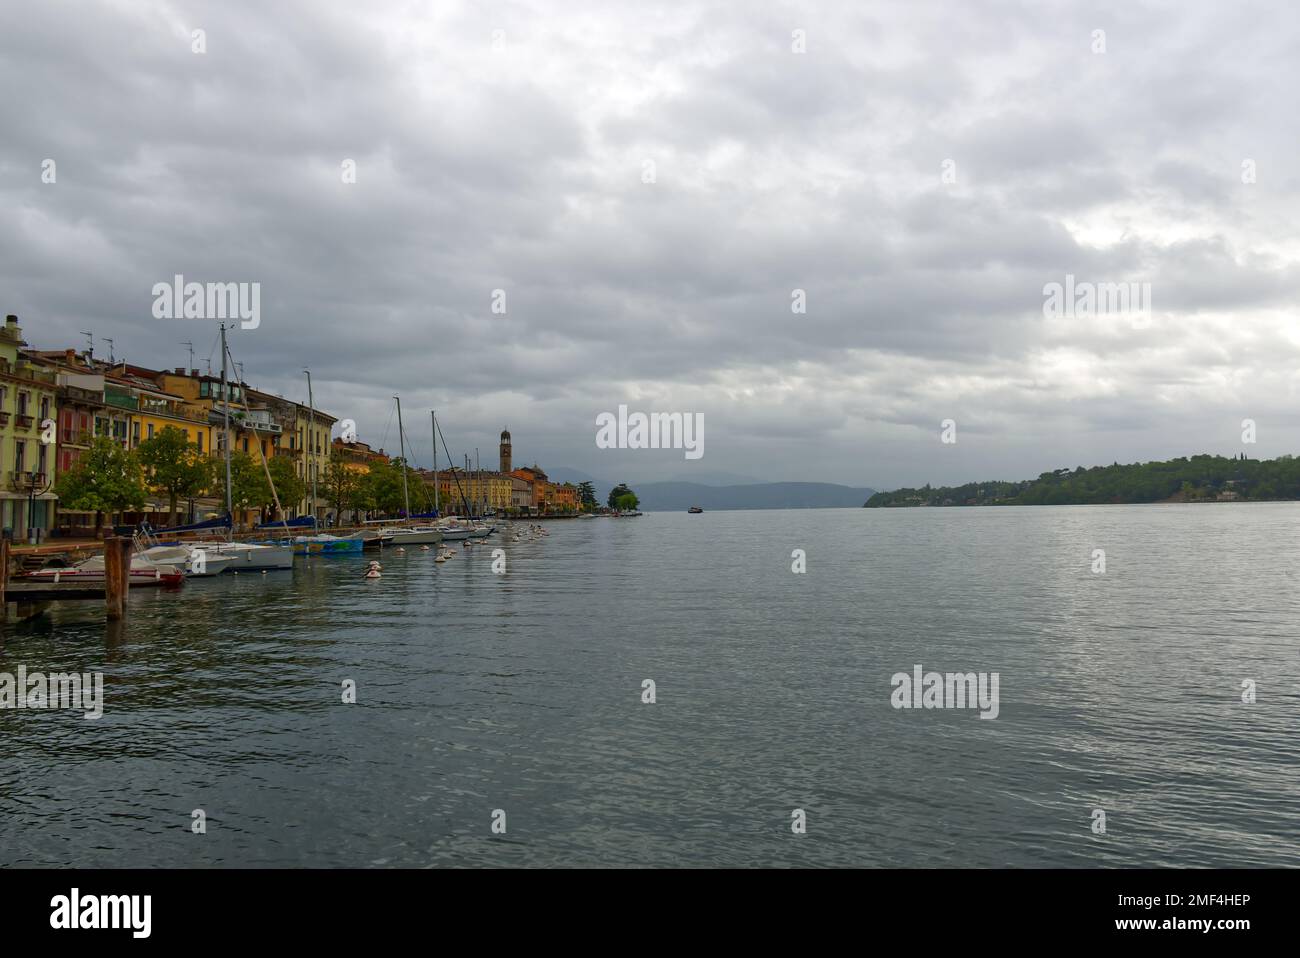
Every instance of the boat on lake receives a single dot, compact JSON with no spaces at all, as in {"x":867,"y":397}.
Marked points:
{"x":143,"y":572}
{"x":694,"y":510}
{"x":412,"y":535}
{"x":326,"y":544}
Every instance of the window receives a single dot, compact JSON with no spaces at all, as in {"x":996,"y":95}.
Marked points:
{"x":245,"y":444}
{"x":135,"y":433}
{"x":22,"y":404}
{"x":264,"y":449}
{"x":20,"y":456}
{"x":150,"y":430}
{"x":45,"y":407}
{"x":4,"y":392}
{"x":199,"y":440}
{"x":40,"y":457}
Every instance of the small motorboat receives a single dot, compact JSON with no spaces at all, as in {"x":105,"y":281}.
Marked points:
{"x":91,"y":571}
{"x":694,"y":510}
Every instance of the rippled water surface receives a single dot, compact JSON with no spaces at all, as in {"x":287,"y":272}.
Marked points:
{"x":522,"y":692}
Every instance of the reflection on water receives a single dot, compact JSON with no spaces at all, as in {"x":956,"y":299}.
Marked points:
{"x":523,"y":692}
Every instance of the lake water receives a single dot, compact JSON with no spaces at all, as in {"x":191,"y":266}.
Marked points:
{"x":1119,"y":691}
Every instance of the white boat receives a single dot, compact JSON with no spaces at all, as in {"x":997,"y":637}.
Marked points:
{"x":454,"y":529}
{"x":243,"y":555}
{"x":253,"y":555}
{"x":198,"y":560}
{"x":413,"y":535}
{"x":143,"y":571}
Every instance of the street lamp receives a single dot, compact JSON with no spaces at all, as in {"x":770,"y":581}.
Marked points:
{"x":34,"y":479}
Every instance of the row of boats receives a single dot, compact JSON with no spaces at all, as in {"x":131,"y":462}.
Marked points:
{"x":157,"y":561}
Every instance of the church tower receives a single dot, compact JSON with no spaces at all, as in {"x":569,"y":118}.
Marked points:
{"x":505,"y":452}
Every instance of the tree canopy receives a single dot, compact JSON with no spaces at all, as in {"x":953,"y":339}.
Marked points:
{"x":174,"y":467}
{"x":105,"y":479}
{"x":619,"y":493}
{"x":1195,"y":478}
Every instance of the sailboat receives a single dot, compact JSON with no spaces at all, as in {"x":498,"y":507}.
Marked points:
{"x":404,"y":535}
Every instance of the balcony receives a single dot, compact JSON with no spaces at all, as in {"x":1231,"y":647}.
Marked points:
{"x":4,"y":418}
{"x":122,"y":402}
{"x":23,"y":481}
{"x":25,"y":422}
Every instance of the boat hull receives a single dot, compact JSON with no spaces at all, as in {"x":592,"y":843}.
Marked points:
{"x":415,"y":537}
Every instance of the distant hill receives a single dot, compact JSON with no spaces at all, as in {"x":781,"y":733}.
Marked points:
{"x":1196,"y":479}
{"x":680,"y":496}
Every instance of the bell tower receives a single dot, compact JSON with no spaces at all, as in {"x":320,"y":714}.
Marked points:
{"x":505,"y":452}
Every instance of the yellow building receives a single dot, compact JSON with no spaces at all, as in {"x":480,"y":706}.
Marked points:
{"x":252,"y":429}
{"x":28,"y":397}
{"x":482,"y":491}
{"x":310,"y":446}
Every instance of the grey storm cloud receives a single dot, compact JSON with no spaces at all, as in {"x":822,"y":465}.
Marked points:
{"x":506,"y":146}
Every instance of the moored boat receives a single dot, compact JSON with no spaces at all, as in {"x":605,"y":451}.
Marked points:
{"x":326,"y":544}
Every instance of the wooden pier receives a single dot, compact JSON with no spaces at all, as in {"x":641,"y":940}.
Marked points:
{"x":33,"y":596}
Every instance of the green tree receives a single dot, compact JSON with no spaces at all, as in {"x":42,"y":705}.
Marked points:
{"x":627,"y":502}
{"x":288,"y":486}
{"x":175,"y":467}
{"x":617,"y":493}
{"x":248,"y":488}
{"x":384,"y":486}
{"x":342,"y":485}
{"x":104,"y":479}
{"x":587,"y":496}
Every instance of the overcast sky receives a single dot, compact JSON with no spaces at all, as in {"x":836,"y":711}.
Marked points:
{"x":505,"y":146}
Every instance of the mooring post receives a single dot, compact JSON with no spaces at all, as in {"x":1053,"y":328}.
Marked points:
{"x":117,"y":573}
{"x":4,"y":579}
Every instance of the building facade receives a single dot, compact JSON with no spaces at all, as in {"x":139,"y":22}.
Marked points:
{"x":28,"y":417}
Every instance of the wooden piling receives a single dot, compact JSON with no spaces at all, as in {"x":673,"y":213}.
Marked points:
{"x":4,"y":579}
{"x":117,"y":576}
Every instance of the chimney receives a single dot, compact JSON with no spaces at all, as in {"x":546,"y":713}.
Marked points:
{"x":70,"y":356}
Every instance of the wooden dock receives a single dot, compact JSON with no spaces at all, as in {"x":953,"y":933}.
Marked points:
{"x":32,"y":597}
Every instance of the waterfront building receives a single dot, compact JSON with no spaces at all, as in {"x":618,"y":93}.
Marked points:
{"x":521,"y":496}
{"x":541,"y":488}
{"x":83,"y":416}
{"x":310,"y":446}
{"x":358,"y":456}
{"x":28,"y":470}
{"x":565,"y":498}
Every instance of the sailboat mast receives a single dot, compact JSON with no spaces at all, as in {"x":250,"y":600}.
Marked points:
{"x":401,"y":441}
{"x":225,"y":413}
{"x":433,"y":415}
{"x":308,"y":461}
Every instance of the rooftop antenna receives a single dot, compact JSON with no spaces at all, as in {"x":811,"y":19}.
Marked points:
{"x":90,"y":343}
{"x":111,"y":360}
{"x":191,"y":345}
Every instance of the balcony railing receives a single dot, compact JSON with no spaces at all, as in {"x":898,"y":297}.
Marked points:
{"x":122,"y":402}
{"x":25,"y":422}
{"x":24,"y":481}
